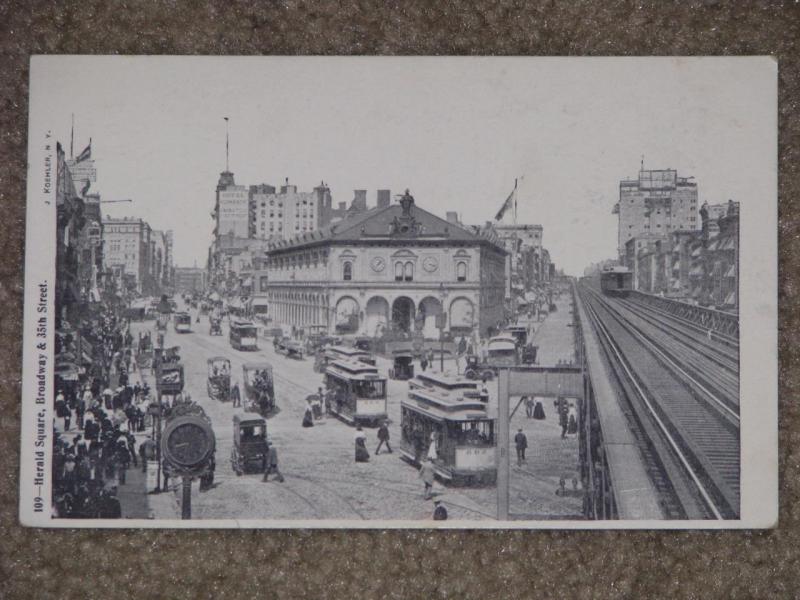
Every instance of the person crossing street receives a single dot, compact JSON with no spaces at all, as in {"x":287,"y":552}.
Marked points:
{"x":383,"y":438}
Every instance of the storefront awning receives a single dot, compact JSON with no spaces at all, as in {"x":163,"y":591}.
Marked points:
{"x":731,"y":271}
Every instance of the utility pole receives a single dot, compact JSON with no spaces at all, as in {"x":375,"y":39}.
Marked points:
{"x":503,"y":435}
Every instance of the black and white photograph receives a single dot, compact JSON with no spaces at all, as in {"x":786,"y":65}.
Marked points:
{"x":375,"y":292}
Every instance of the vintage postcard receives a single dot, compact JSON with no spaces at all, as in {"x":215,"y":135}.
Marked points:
{"x":401,"y":292}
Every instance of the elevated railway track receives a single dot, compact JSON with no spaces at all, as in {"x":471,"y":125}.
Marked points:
{"x":679,"y":390}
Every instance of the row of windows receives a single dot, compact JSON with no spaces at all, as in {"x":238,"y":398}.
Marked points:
{"x":404,"y":271}
{"x":280,"y":203}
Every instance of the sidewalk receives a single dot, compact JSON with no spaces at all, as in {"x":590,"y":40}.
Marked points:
{"x":555,"y":337}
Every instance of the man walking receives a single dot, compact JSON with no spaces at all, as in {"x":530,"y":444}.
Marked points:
{"x":521,"y":443}
{"x":236,"y":396}
{"x":529,"y":405}
{"x":427,"y":474}
{"x":383,"y":438}
{"x":272,"y":464}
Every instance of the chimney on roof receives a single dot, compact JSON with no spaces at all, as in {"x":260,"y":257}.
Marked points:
{"x":359,"y":200}
{"x":384,"y":198}
{"x":342,"y":206}
{"x":452,"y":217}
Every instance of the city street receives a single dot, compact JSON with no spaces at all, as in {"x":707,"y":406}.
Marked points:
{"x":322,"y":479}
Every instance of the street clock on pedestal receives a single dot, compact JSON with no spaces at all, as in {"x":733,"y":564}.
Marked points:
{"x":188,"y":444}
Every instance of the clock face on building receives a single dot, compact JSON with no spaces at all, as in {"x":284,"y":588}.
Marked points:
{"x":188,"y":443}
{"x":378,"y":264}
{"x":430,"y":264}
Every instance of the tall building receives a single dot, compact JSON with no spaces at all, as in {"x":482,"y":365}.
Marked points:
{"x":190,"y":279}
{"x":169,"y":273}
{"x":657,"y":202}
{"x":126,"y":252}
{"x":232,"y":208}
{"x":285,"y":213}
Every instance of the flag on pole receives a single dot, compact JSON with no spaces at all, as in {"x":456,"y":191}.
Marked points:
{"x":86,"y":154}
{"x":509,"y":203}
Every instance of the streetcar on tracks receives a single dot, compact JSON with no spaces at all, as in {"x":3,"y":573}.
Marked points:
{"x":356,"y":392}
{"x":461,"y":431}
{"x":218,"y":383}
{"x":243,"y":335}
{"x":350,"y":353}
{"x":259,"y":387}
{"x":616,"y":281}
{"x":250,"y":445}
{"x":182,"y":322}
{"x":446,"y":383}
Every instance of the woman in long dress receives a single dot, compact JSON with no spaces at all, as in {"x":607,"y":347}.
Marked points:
{"x":572,"y":423}
{"x":308,"y":416}
{"x":362,"y":454}
{"x":432,"y":450}
{"x":538,"y":410}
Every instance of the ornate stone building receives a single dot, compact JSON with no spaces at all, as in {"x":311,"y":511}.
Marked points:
{"x":394,"y":267}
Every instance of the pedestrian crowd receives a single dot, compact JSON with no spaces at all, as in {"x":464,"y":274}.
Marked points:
{"x":95,"y":444}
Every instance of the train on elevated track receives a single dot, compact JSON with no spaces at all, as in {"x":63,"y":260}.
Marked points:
{"x":616,"y":281}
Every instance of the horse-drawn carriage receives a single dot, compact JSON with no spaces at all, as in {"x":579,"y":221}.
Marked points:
{"x":403,"y":365}
{"x":219,"y":378}
{"x":259,"y":387}
{"x":291,"y":348}
{"x":215,"y":327}
{"x":250,"y":446}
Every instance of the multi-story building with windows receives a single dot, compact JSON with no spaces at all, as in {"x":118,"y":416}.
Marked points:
{"x":658,"y":202}
{"x":392,"y":267}
{"x":232,"y":208}
{"x":127,"y":251}
{"x":287,"y":212}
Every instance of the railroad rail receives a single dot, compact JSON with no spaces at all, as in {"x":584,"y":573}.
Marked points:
{"x":687,"y":426}
{"x":717,"y":321}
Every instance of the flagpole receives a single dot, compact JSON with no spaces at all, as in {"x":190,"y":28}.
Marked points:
{"x":227,"y":167}
{"x":515,"y":201}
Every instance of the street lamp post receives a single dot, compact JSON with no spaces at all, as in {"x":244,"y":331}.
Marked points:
{"x":442,"y":319}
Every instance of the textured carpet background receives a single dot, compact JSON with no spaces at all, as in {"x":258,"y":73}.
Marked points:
{"x":418,"y":564}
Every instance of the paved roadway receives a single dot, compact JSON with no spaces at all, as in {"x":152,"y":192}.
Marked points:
{"x":323,"y":481}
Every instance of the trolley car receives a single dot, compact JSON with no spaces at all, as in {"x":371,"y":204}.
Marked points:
{"x":616,"y":281}
{"x":349,"y":353}
{"x":454,"y":385}
{"x":356,"y":392}
{"x":462,"y":430}
{"x":243,"y":335}
{"x":183,"y":322}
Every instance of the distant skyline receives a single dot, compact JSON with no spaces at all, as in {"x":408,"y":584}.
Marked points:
{"x":455,"y":131}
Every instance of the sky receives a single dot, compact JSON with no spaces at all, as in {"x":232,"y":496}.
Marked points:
{"x":455,"y":131}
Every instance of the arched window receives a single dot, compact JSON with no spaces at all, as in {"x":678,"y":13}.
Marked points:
{"x":409,"y":271}
{"x":461,"y":271}
{"x":398,"y":271}
{"x":347,"y":271}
